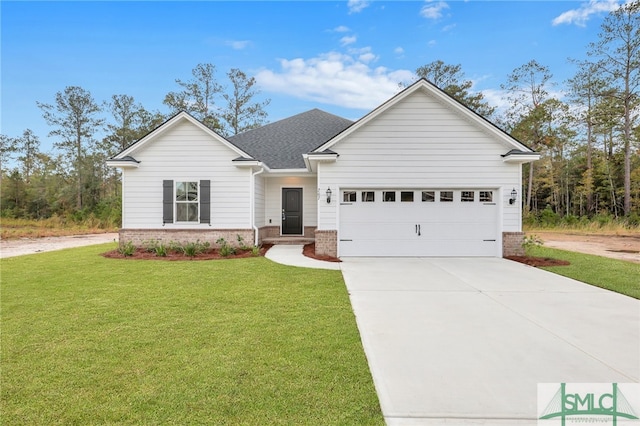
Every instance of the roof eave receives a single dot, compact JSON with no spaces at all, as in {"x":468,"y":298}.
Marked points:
{"x":313,"y":158}
{"x":127,"y":162}
{"x":521,"y":157}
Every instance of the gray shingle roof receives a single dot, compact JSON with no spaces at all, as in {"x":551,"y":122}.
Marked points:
{"x":280,"y":145}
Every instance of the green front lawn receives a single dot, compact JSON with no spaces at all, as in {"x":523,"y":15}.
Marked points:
{"x":89,"y":340}
{"x":611,"y":274}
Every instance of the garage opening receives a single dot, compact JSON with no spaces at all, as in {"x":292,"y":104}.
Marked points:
{"x":418,"y":222}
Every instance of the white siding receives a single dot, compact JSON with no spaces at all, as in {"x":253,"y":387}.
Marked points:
{"x":419,"y":143}
{"x":185,"y":152}
{"x":259,"y":189}
{"x":273,"y":197}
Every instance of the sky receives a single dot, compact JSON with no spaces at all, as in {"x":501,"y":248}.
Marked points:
{"x":344,"y":57}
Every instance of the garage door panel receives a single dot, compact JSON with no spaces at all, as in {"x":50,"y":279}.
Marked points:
{"x":419,"y":228}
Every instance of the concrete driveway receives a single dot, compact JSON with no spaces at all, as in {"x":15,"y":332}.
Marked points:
{"x":461,"y":341}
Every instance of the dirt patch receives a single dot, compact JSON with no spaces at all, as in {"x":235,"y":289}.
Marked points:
{"x":212,"y":254}
{"x":538,"y":261}
{"x":19,"y":247}
{"x":309,"y":250}
{"x":622,"y":247}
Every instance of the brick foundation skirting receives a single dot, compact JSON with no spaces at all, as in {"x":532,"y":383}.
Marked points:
{"x":326,"y":242}
{"x":141,"y":236}
{"x":512,"y":244}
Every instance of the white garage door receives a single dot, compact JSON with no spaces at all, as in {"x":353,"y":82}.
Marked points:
{"x":431,"y":222}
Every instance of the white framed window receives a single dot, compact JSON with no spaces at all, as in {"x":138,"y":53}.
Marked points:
{"x":389,"y":196}
{"x":428,"y":196}
{"x":368,"y":196}
{"x":187,"y":202}
{"x":406,"y":196}
{"x":486,"y":196}
{"x":467,"y":196}
{"x":349,"y":196}
{"x":446,"y":196}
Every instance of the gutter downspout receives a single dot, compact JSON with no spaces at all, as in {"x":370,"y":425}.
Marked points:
{"x":253,"y":205}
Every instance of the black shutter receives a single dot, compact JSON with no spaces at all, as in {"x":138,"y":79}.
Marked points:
{"x":205,"y":201}
{"x":167,"y":201}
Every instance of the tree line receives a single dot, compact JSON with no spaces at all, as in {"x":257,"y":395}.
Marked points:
{"x":589,"y":138}
{"x":74,"y":181}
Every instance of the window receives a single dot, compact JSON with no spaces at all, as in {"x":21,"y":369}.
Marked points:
{"x":349,"y":196}
{"x":446,"y":196}
{"x":389,"y":196}
{"x":187,"y":202}
{"x":406,"y":196}
{"x":486,"y":196}
{"x":428,"y":196}
{"x":368,"y":196}
{"x":467,"y":196}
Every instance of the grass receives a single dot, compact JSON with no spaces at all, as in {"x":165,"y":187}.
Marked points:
{"x":52,"y":227}
{"x":611,"y":274}
{"x":89,"y":340}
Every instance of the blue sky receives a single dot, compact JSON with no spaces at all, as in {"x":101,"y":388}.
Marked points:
{"x":344,"y":57}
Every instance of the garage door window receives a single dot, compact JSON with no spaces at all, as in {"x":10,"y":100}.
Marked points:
{"x":428,"y":196}
{"x":368,"y":196}
{"x":446,"y":196}
{"x":406,"y":196}
{"x":467,"y":196}
{"x":389,"y":196}
{"x":349,"y":196}
{"x":486,"y":196}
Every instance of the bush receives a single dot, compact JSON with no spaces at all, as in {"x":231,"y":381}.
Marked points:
{"x":194,"y":249}
{"x":127,"y":248}
{"x":548,"y":217}
{"x":225,"y":248}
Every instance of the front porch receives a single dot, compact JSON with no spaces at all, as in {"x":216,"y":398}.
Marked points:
{"x":288,"y":240}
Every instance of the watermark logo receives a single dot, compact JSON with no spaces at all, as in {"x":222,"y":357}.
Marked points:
{"x":616,"y":404}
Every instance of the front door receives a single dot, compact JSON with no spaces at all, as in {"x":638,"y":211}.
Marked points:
{"x":292,"y":211}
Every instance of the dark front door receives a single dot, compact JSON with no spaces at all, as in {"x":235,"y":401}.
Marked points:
{"x":292,"y":211}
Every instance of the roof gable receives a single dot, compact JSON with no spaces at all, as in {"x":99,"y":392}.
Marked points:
{"x":281,"y":144}
{"x":169,"y":124}
{"x":446,"y":101}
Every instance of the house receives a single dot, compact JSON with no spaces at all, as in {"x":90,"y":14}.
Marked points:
{"x":421,"y":175}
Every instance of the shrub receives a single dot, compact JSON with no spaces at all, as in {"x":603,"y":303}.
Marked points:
{"x":255,"y":251}
{"x":127,"y":249}
{"x":157,"y":247}
{"x":242,"y":244}
{"x":193,"y":249}
{"x":225,"y":248}
{"x":548,"y":217}
{"x":531,"y":241}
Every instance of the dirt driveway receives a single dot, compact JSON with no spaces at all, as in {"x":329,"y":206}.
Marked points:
{"x":10,"y":248}
{"x":614,"y":246}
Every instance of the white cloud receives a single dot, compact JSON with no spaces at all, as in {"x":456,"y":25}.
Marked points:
{"x":348,"y":40}
{"x":433,"y":9}
{"x":399,"y":51}
{"x":238,"y":44}
{"x":432,"y":43}
{"x":356,"y":6}
{"x":581,"y":15}
{"x":341,"y":29}
{"x":363,"y":54}
{"x":336,"y":79}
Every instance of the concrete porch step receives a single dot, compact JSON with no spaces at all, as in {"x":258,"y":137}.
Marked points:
{"x":293,"y":240}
